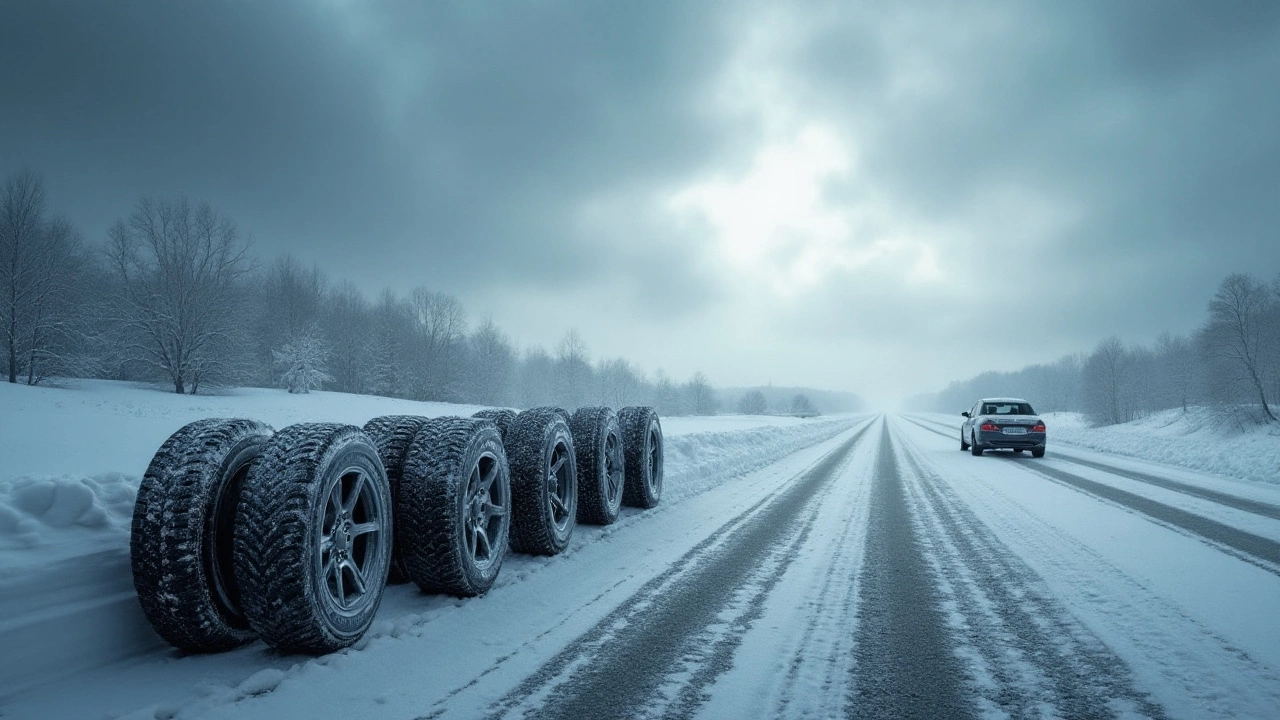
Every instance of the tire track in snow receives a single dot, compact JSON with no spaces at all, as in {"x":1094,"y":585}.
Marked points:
{"x":1038,"y":659}
{"x":905,"y":661}
{"x":1257,"y":507}
{"x":823,"y":654}
{"x":623,"y":667}
{"x":1186,"y":660}
{"x":1254,"y":549}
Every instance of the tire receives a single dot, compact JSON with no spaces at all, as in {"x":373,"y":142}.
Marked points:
{"x":642,"y":445}
{"x":501,"y":417}
{"x":975,"y":449}
{"x":391,"y":434}
{"x":454,"y":497}
{"x":597,"y":443}
{"x":1037,"y":453}
{"x":1017,"y":451}
{"x":554,"y":408}
{"x":181,"y":543}
{"x":314,"y":520}
{"x":544,"y":482}
{"x":963,"y":445}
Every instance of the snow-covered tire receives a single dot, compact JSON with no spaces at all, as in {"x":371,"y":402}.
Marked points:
{"x":391,"y":434}
{"x":963,"y":445}
{"x":642,"y":446}
{"x":313,"y":538}
{"x":975,"y":449}
{"x":597,"y":444}
{"x":455,"y":506}
{"x":181,"y":545}
{"x":501,"y":417}
{"x":1037,"y":453}
{"x":544,"y":481}
{"x":556,"y":409}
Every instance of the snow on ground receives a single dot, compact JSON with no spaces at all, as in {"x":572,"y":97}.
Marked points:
{"x":71,"y":459}
{"x":1196,"y":625}
{"x":1198,"y":440}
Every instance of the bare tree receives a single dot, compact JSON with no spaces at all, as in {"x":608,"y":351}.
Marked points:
{"x":702,"y":397}
{"x":1241,"y":338}
{"x":440,"y":327}
{"x":40,"y":261}
{"x":180,"y":271}
{"x":1176,"y":370}
{"x":619,"y":382}
{"x":1105,"y":375}
{"x":802,"y":406}
{"x":347,"y":322}
{"x":537,"y":378}
{"x":753,"y":403}
{"x":492,"y":367}
{"x":666,"y":395}
{"x":573,"y":370}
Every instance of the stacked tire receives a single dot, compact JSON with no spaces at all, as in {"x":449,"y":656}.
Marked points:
{"x":240,"y":532}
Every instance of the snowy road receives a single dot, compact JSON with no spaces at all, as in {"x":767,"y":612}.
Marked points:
{"x":877,"y":573}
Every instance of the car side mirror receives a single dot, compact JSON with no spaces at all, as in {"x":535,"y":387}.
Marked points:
{"x":965,"y":413}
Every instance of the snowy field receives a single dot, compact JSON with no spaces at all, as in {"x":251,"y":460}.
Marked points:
{"x":71,"y":459}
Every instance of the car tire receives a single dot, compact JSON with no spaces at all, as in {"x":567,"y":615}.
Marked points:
{"x":544,"y":481}
{"x":643,"y":451}
{"x":455,"y":506}
{"x":975,"y":449}
{"x":181,"y":544}
{"x":314,"y":521}
{"x":597,"y":443}
{"x":1017,"y":451}
{"x":1037,"y":453}
{"x":392,"y":434}
{"x":963,"y":445}
{"x":501,"y":417}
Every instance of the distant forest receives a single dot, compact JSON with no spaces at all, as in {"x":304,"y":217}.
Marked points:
{"x":1230,"y":363}
{"x":175,"y":296}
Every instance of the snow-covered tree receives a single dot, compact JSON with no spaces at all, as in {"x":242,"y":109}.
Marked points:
{"x":303,"y":362}
{"x":753,"y":403}
{"x":701,"y":396}
{"x":801,"y":406}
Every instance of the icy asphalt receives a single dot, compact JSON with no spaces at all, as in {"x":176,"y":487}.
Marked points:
{"x":878,"y":574}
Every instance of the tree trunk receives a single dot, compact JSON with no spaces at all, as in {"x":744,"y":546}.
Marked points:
{"x":177,"y":385}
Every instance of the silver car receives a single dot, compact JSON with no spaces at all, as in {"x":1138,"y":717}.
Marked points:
{"x":1002,"y":423}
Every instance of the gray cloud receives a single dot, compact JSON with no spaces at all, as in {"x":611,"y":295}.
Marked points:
{"x":1111,"y":161}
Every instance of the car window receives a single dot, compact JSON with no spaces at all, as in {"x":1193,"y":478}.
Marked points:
{"x":1008,"y":409}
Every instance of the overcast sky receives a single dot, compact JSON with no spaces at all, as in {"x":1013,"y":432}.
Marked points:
{"x":877,"y":197}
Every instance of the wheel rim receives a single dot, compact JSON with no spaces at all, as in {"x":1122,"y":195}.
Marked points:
{"x":558,"y":486}
{"x":351,"y":541}
{"x":487,"y":505}
{"x":614,"y":469}
{"x":655,"y":480}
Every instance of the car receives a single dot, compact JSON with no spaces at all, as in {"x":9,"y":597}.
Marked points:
{"x":1002,"y":424}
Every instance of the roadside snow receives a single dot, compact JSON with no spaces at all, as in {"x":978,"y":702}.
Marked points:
{"x":1197,"y":440}
{"x":71,"y":460}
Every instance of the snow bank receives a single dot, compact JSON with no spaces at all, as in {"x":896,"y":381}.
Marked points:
{"x":71,"y":460}
{"x":1196,"y":440}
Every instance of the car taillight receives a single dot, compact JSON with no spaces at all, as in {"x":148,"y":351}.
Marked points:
{"x":989,"y":427}
{"x":1039,"y":427}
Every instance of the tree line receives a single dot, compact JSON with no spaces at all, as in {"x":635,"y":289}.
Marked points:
{"x":1230,"y":363}
{"x":176,"y":296}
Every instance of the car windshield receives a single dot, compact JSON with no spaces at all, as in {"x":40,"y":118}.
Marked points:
{"x":1007,"y":409}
